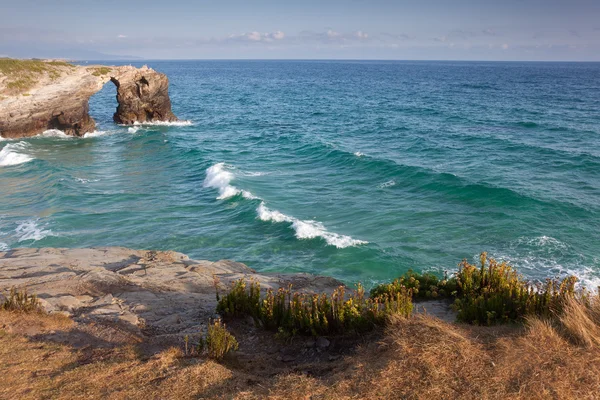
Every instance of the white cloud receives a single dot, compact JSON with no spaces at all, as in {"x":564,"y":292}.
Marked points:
{"x":278,"y":35}
{"x":505,"y":46}
{"x":121,"y":36}
{"x":332,"y":34}
{"x":361,"y":35}
{"x":256,"y":36}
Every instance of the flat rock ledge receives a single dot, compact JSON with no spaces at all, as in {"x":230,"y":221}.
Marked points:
{"x":61,"y":100}
{"x":149,"y":293}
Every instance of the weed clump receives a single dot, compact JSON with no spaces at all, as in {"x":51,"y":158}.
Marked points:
{"x":316,"y":314}
{"x":20,"y":301}
{"x":217,"y":343}
{"x":423,"y":286}
{"x":495,"y":292}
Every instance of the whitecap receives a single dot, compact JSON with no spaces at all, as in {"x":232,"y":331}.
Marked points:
{"x":219,"y":177}
{"x":4,"y":247}
{"x":31,"y":230}
{"x":133,"y":129}
{"x":12,"y":154}
{"x":307,"y":229}
{"x":165,"y":123}
{"x":359,"y":154}
{"x":55,"y":133}
{"x":83,"y":180}
{"x":253,"y":173}
{"x":95,"y":134}
{"x":387,"y":184}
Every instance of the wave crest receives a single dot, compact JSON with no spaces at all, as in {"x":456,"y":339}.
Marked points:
{"x":307,"y":229}
{"x":12,"y":154}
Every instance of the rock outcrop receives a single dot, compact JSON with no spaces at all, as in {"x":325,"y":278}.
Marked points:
{"x":143,"y":95}
{"x":152,"y":293}
{"x":58,"y":99}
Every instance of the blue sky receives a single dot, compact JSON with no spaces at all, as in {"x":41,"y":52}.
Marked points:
{"x":336,"y":29}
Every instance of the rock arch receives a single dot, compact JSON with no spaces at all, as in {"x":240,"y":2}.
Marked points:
{"x":63,"y":101}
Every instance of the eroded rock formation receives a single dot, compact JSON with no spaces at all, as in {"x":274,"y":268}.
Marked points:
{"x":60,"y":100}
{"x":143,"y":95}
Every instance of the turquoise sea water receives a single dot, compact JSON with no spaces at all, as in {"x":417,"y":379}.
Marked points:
{"x":358,"y":170}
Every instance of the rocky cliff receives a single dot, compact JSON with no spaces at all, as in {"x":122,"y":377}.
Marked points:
{"x":153,"y":293}
{"x":36,"y":96}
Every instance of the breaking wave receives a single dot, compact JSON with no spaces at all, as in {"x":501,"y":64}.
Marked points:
{"x":31,"y":230}
{"x":219,"y":177}
{"x":12,"y":154}
{"x":307,"y":229}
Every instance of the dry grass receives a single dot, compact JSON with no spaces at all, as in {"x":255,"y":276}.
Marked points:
{"x":22,"y":75}
{"x":418,"y":358}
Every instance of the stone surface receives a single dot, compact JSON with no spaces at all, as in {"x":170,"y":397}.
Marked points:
{"x":172,"y":295}
{"x":60,"y":101}
{"x":143,"y":95}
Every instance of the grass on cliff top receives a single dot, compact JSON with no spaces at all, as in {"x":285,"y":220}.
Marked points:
{"x":417,"y":358}
{"x":24,"y":74}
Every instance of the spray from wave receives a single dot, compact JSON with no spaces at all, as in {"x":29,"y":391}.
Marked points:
{"x":12,"y":154}
{"x":219,"y":176}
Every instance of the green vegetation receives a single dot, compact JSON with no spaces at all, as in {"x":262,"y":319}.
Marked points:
{"x":99,"y":71}
{"x":24,"y":74}
{"x":219,"y":341}
{"x":423,"y":286}
{"x":489,"y":294}
{"x":316,"y":314}
{"x":20,"y":301}
{"x":495,"y":292}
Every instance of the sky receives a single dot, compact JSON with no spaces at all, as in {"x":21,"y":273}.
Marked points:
{"x":505,"y":30}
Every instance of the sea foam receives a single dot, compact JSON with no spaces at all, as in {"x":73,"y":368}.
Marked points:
{"x":12,"y":154}
{"x":95,"y":134}
{"x":31,"y":230}
{"x":165,"y":123}
{"x":219,"y":177}
{"x":307,"y":229}
{"x":55,"y":133}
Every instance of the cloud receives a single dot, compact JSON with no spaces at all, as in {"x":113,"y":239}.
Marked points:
{"x":121,"y":36}
{"x":505,"y":46}
{"x":254,"y":36}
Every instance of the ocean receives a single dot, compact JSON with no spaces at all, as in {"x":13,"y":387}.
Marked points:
{"x":358,"y":170}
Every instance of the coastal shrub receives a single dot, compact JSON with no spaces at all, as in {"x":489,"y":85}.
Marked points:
{"x":22,"y":302}
{"x":314,"y":314}
{"x":216,"y":344}
{"x":218,"y":341}
{"x":495,"y":292}
{"x":423,"y":286}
